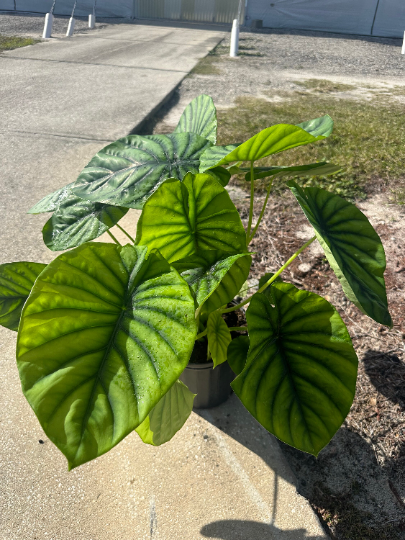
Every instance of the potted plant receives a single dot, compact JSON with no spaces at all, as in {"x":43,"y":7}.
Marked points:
{"x":105,"y":331}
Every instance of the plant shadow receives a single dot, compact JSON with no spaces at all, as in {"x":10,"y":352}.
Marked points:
{"x":252,"y":530}
{"x":387,"y":374}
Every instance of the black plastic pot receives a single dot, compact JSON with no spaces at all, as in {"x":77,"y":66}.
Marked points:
{"x":212,"y":386}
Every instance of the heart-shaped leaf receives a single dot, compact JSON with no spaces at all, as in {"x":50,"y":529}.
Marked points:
{"x":300,"y":377}
{"x":168,"y":416}
{"x":200,"y":116}
{"x":219,"y":337}
{"x":128,"y":171}
{"x":271,"y":140}
{"x":183,"y":218}
{"x":237,"y":353}
{"x":221,"y":174}
{"x":314,"y":169}
{"x":77,"y":221}
{"x":16,"y":281}
{"x":216,"y":154}
{"x":51,"y":202}
{"x":103,"y":336}
{"x":352,"y":247}
{"x":214,"y":276}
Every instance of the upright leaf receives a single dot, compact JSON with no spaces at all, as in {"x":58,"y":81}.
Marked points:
{"x":16,"y":281}
{"x":168,"y":416}
{"x":271,"y":140}
{"x":77,"y":221}
{"x":200,"y":116}
{"x":182,"y":218}
{"x":219,"y":337}
{"x":103,"y":336}
{"x":128,"y":171}
{"x":237,"y":353}
{"x":352,"y":247}
{"x":314,"y":169}
{"x":51,"y":202}
{"x":300,"y":377}
{"x":214,"y":276}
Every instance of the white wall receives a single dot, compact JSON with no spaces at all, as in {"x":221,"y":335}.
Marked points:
{"x":341,"y":16}
{"x":390,"y":19}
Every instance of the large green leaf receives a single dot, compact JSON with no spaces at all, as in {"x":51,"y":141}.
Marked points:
{"x":128,"y":171}
{"x":51,"y":202}
{"x":200,"y":116}
{"x":182,"y":218}
{"x":168,"y":416}
{"x":214,"y":276}
{"x":103,"y":336}
{"x":219,"y":337}
{"x":16,"y":281}
{"x":77,"y":221}
{"x":352,"y":247}
{"x":313,"y":169}
{"x":271,"y":140}
{"x":300,"y":377}
{"x":216,"y":154}
{"x":221,"y":174}
{"x":237,"y":353}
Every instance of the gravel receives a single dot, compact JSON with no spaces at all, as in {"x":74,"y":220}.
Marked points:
{"x":32,"y":25}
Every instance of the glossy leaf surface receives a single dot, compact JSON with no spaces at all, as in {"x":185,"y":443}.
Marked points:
{"x":215,"y":277}
{"x":51,"y":202}
{"x":182,"y":218}
{"x":300,"y":377}
{"x":200,"y":116}
{"x":16,"y":281}
{"x":128,"y":171}
{"x":352,"y":247}
{"x":271,"y":140}
{"x":77,"y":221}
{"x":314,"y":169}
{"x":219,"y":337}
{"x":168,"y":416}
{"x":103,"y":336}
{"x":237,"y":353}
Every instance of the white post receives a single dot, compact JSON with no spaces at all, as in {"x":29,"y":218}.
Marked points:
{"x":92,"y":20}
{"x":403,"y":45}
{"x":47,"y":26}
{"x":71,"y":27}
{"x":234,"y":38}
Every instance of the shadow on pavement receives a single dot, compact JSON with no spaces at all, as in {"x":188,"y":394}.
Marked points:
{"x":252,"y":530}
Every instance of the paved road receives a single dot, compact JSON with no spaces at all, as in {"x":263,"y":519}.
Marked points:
{"x":220,"y":477}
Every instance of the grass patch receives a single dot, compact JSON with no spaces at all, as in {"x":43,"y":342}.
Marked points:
{"x":7,"y":43}
{"x":324,"y":86}
{"x":207,"y":65}
{"x":368,"y":139}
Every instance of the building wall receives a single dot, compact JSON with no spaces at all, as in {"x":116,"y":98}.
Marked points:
{"x":340,"y":16}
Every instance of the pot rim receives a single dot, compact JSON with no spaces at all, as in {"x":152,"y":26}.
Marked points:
{"x":205,"y":365}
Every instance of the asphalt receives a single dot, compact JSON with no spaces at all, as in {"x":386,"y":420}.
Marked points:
{"x":222,"y":476}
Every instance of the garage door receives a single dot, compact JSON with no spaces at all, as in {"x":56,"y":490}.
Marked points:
{"x":216,"y":11}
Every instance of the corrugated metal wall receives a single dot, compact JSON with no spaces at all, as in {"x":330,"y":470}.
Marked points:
{"x":216,"y":11}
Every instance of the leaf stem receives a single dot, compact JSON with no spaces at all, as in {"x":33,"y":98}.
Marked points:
{"x":252,"y":196}
{"x":237,"y":328}
{"x":113,"y":237}
{"x":202,"y":334}
{"x":261,"y":213}
{"x":273,"y":278}
{"x":125,"y":232}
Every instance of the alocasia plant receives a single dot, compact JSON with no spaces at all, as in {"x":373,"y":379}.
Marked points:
{"x":105,"y":330}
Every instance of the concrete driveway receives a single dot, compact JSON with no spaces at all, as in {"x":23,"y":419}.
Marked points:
{"x":222,"y":476}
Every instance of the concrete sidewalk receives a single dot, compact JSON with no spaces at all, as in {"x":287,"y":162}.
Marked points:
{"x":222,"y":476}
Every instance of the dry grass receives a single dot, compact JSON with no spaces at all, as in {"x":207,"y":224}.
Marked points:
{"x":368,"y":139}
